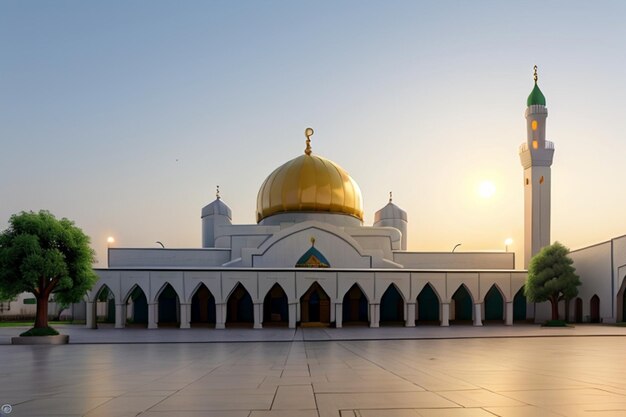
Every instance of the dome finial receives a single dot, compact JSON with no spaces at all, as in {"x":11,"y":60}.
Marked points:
{"x":217,"y":193}
{"x":390,"y":196}
{"x":308,"y":133}
{"x":535,"y":74}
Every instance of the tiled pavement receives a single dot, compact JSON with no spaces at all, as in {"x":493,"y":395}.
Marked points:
{"x":506,"y":376}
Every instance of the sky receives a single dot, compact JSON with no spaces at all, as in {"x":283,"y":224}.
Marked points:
{"x":124,"y":116}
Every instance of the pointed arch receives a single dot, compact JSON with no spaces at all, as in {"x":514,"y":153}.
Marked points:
{"x":594,"y":309}
{"x":137,"y":306}
{"x":392,"y":306}
{"x":315,"y":306}
{"x":276,"y":307}
{"x":494,"y":304}
{"x":202,"y":306}
{"x":169,"y":305}
{"x":239,"y":307}
{"x":621,"y":302}
{"x":428,"y":305}
{"x":355,"y":307}
{"x":519,"y":306}
{"x":462,"y":305}
{"x":578,"y":310}
{"x":105,"y":305}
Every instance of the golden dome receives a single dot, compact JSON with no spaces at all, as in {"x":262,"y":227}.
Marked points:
{"x":309,"y":183}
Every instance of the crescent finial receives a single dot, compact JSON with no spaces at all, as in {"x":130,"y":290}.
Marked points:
{"x":308,"y":133}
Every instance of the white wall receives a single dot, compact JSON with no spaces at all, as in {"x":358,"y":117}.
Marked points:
{"x":456,"y":260}
{"x":164,"y":258}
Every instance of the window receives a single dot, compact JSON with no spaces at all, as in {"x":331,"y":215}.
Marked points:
{"x":533,"y":125}
{"x":535,"y":144}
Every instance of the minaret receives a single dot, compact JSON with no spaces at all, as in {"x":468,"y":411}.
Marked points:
{"x":393,"y":216}
{"x":213,"y":216}
{"x":536,"y":156}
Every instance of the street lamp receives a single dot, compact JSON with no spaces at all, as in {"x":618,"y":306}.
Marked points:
{"x":507,"y":242}
{"x":455,"y":246}
{"x":160,"y":243}
{"x":110,"y":241}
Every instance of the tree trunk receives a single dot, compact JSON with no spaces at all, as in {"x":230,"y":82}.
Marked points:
{"x":41,"y":320}
{"x":555,"y":308}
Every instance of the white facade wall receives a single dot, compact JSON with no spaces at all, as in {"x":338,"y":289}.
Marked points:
{"x":296,"y":281}
{"x":172,"y":258}
{"x":456,"y":260}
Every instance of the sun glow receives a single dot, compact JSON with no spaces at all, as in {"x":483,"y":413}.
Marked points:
{"x":486,"y":189}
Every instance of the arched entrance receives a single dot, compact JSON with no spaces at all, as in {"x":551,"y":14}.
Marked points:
{"x":494,"y":305}
{"x":137,"y":308}
{"x":427,"y":306}
{"x":621,"y":302}
{"x":519,"y":306}
{"x":203,"y":307}
{"x":315,"y":306}
{"x":463,"y":305}
{"x":355,"y":307}
{"x":594,"y":309}
{"x":105,"y":306}
{"x":578,"y":310}
{"x":239,"y":309}
{"x":168,"y":307}
{"x":276,"y":307}
{"x":392,"y":307}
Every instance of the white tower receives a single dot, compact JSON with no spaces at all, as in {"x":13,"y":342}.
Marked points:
{"x":392,"y":216}
{"x":214,"y":214}
{"x":536,"y":156}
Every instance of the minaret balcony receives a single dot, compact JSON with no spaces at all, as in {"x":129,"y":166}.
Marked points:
{"x":524,"y":146}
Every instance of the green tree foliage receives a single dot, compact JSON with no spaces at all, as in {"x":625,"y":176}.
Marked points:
{"x":551,"y":277}
{"x":43,"y":255}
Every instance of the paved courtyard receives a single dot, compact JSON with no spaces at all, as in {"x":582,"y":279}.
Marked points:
{"x":507,"y":376}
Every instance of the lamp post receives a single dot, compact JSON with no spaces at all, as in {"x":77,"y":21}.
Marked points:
{"x":455,"y":246}
{"x":507,"y":242}
{"x":110,"y":241}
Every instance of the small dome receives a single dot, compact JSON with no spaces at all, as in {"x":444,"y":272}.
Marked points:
{"x":309,"y":183}
{"x":536,"y":97}
{"x":217,"y":207}
{"x":390,"y":212}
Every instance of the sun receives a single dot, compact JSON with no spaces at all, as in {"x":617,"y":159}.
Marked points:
{"x":486,"y":189}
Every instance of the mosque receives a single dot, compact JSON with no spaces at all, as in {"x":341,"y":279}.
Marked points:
{"x":311,"y":261}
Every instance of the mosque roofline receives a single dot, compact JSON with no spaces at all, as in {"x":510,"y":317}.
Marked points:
{"x":255,"y":269}
{"x":604,"y":242}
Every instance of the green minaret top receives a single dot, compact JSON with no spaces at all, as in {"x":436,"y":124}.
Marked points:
{"x":536,"y":96}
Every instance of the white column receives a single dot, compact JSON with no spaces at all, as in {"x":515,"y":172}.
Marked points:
{"x":258,"y":312}
{"x":332,"y":311}
{"x":374,"y":315}
{"x":478,"y":314}
{"x":339,"y":315}
{"x":153,"y":309}
{"x":185,"y":309}
{"x":91,"y":315}
{"x":410,"y":315}
{"x":509,"y":313}
{"x":220,"y":315}
{"x":120,"y":316}
{"x":293,"y":308}
{"x":445,"y":314}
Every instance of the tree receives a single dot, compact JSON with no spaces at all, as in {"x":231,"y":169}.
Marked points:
{"x":551,"y":277}
{"x":43,"y":255}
